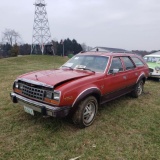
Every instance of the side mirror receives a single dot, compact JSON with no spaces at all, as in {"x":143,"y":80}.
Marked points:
{"x":115,"y":71}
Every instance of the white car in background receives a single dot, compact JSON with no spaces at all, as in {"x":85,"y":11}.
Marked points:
{"x":153,"y":61}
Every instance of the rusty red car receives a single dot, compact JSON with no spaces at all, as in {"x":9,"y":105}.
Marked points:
{"x":82,"y":84}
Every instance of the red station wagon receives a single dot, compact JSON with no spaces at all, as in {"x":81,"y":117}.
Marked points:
{"x":82,"y":84}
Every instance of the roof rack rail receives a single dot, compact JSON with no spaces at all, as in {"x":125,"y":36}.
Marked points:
{"x":112,"y":50}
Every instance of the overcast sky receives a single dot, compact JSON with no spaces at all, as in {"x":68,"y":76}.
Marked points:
{"x":127,"y":24}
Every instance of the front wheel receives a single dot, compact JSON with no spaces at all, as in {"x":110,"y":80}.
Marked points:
{"x":86,"y":112}
{"x":138,"y":89}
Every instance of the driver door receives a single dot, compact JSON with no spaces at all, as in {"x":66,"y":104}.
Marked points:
{"x":114,"y":82}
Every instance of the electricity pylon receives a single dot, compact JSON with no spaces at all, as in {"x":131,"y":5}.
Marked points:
{"x":41,"y":32}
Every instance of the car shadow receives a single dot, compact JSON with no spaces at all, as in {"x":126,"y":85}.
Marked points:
{"x":51,"y":123}
{"x":154,"y":79}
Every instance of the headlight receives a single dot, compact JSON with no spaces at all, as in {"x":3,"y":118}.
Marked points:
{"x":157,"y":68}
{"x":56,"y":95}
{"x":53,"y":95}
{"x":49,"y":94}
{"x":20,"y":86}
{"x":16,"y":85}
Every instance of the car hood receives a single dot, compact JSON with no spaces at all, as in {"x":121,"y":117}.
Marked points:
{"x":54,"y":77}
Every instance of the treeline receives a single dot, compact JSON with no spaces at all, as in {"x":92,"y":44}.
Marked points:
{"x":143,"y":53}
{"x":65,"y":47}
{"x":7,"y":50}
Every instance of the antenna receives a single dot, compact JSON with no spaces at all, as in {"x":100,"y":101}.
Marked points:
{"x":41,"y":37}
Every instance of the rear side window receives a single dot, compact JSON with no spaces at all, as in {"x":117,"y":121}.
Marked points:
{"x":137,"y":61}
{"x":128,"y":63}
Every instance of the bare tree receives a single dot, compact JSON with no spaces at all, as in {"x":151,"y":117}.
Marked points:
{"x":10,"y":36}
{"x":85,"y":47}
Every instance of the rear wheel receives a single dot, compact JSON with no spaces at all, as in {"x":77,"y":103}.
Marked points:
{"x":86,"y":112}
{"x":138,"y":89}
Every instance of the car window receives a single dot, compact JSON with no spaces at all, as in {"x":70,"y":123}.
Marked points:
{"x":116,"y":64}
{"x":94,"y":63}
{"x":128,"y":63}
{"x":151,"y":59}
{"x":137,"y":61}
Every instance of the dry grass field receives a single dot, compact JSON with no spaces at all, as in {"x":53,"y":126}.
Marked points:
{"x":124,"y":129}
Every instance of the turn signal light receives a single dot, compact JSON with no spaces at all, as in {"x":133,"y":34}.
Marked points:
{"x":17,"y":90}
{"x":51,"y":101}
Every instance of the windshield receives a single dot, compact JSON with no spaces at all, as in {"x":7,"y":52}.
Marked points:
{"x":87,"y":62}
{"x":152,"y":59}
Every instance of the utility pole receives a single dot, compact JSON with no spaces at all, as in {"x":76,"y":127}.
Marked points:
{"x":63,"y":49}
{"x":41,"y":31}
{"x":62,"y":42}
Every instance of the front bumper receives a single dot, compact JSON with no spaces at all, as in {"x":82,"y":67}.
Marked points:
{"x":155,"y":75}
{"x":46,"y":110}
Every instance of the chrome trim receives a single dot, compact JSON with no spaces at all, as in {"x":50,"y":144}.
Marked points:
{"x":140,"y":76}
{"x":35,"y":82}
{"x":36,"y":108}
{"x":32,"y":102}
{"x":82,"y":93}
{"x":32,"y":92}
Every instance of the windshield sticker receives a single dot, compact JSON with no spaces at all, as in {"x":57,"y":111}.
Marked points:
{"x":80,"y":66}
{"x":68,"y":64}
{"x":76,"y":57}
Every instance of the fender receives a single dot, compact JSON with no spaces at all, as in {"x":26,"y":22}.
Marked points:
{"x":87,"y":92}
{"x":141,"y":76}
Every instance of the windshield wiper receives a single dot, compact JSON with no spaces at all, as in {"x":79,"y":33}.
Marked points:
{"x":86,"y":69}
{"x":68,"y":67}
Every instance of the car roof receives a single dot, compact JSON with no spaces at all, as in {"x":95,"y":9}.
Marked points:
{"x":156,"y":54}
{"x":152,"y":55}
{"x":105,"y":51}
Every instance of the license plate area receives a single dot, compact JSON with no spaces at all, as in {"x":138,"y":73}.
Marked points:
{"x":29,"y":110}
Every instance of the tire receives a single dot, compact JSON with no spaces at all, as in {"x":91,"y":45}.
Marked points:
{"x":86,"y":112}
{"x":138,"y":89}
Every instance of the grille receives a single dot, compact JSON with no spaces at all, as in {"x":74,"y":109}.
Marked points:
{"x":151,"y":70}
{"x":33,"y":92}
